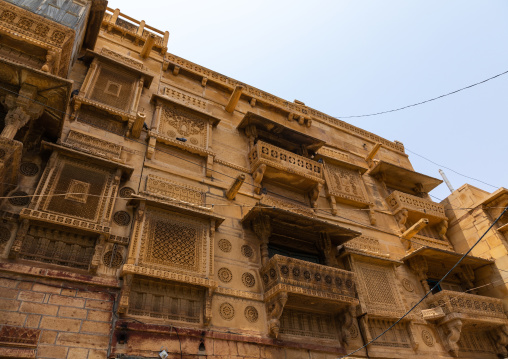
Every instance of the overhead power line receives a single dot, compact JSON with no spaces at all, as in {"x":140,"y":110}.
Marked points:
{"x":430,"y":291}
{"x":423,"y":102}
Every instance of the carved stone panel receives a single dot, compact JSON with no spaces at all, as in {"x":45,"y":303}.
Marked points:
{"x":93,"y":145}
{"x":114,"y":87}
{"x":178,"y":123}
{"x":166,"y":301}
{"x":345,"y":184}
{"x":175,"y":242}
{"x":377,"y":286}
{"x":162,"y":187}
{"x":57,"y":247}
{"x":306,"y":324}
{"x":77,"y":189}
{"x":397,"y":337}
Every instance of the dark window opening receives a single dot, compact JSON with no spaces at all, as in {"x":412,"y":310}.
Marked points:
{"x":292,"y":253}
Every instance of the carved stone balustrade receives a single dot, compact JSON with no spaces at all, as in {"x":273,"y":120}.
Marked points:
{"x":285,"y":166}
{"x":461,"y":313}
{"x":301,"y":278}
{"x":471,"y":308}
{"x":416,"y":206}
{"x":134,"y":30}
{"x":297,"y":284}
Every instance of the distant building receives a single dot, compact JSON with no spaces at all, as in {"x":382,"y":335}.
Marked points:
{"x":152,"y":206}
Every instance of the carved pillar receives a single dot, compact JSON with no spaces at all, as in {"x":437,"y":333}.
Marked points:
{"x":20,"y":236}
{"x":15,"y":119}
{"x":135,"y":243}
{"x":324,"y":244}
{"x":467,"y":275}
{"x":263,"y":229}
{"x":363,"y":322}
{"x":345,"y":323}
{"x":88,"y":79}
{"x":274,"y":311}
{"x":209,"y":166}
{"x":412,"y":337}
{"x":207,"y":317}
{"x":252,"y":134}
{"x":123,"y":305}
{"x":97,"y":254}
{"x":420,"y":267}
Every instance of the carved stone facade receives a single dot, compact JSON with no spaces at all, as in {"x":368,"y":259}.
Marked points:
{"x":150,"y":201}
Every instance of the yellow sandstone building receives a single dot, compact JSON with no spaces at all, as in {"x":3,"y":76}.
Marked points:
{"x":152,"y":207}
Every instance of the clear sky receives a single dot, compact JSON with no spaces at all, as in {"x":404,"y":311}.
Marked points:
{"x":354,"y":57}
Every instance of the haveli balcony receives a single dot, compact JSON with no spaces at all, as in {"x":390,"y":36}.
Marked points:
{"x":135,"y":30}
{"x":301,"y":285}
{"x":286,"y":167}
{"x":402,"y":178}
{"x":301,"y":278}
{"x":416,"y":207}
{"x":456,"y":313}
{"x":472,"y":309}
{"x":281,"y":153}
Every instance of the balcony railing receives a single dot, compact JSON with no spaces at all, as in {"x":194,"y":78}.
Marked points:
{"x":476,"y":307}
{"x":431,"y":210}
{"x":137,"y":29}
{"x":306,"y":278}
{"x":287,"y":161}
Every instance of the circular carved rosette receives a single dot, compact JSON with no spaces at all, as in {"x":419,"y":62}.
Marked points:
{"x":427,"y":337}
{"x":112,"y":261}
{"x":225,"y":245}
{"x":226,"y":311}
{"x":28,"y":169}
{"x":247,"y":251}
{"x":251,"y":314}
{"x":19,"y":198}
{"x":122,"y":218}
{"x":126,"y":192}
{"x":406,"y":283}
{"x":225,"y":275}
{"x":353,"y":331}
{"x":248,"y":280}
{"x":5,"y":235}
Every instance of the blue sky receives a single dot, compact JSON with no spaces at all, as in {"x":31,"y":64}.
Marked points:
{"x":363,"y":56}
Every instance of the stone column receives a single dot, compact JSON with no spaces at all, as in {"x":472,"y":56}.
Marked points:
{"x":263,"y":229}
{"x":15,"y":119}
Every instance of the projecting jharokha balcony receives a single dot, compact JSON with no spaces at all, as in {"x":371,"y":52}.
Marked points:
{"x":470,"y":308}
{"x":285,"y":166}
{"x":301,"y":278}
{"x":416,"y":207}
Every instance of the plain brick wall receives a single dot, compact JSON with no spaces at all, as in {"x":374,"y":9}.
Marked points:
{"x":74,"y":323}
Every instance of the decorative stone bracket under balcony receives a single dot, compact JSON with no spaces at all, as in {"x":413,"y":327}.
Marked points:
{"x":453,"y":311}
{"x":279,"y":165}
{"x":299,"y":284}
{"x":416,"y":207}
{"x":419,"y":211}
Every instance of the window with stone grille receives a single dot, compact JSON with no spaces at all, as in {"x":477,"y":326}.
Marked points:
{"x":54,"y":246}
{"x":77,"y":189}
{"x":165,"y":300}
{"x":175,"y":242}
{"x":114,"y":87}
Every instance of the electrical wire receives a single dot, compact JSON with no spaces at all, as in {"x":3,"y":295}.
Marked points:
{"x":460,"y":174}
{"x":426,"y":101}
{"x":430,"y":291}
